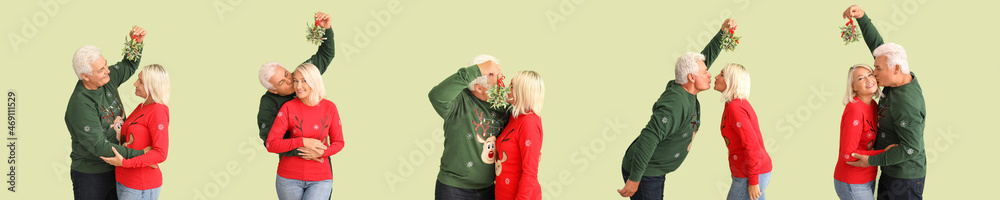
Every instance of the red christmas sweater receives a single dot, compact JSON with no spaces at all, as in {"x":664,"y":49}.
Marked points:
{"x":146,"y":127}
{"x":857,"y":135}
{"x":321,"y":122}
{"x":519,"y":148}
{"x":747,"y":156}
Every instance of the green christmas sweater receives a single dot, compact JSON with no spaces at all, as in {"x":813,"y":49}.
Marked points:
{"x":901,"y":114}
{"x":663,"y":144}
{"x":89,"y":116}
{"x":470,"y":129}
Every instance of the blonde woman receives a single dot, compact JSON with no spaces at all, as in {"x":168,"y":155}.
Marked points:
{"x":857,"y":135}
{"x":140,"y":177}
{"x":748,"y":160}
{"x":519,"y":146}
{"x":312,"y":121}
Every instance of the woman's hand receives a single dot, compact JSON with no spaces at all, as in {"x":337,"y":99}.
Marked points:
{"x":307,"y":154}
{"x":117,"y":126}
{"x":312,"y":149}
{"x":754,"y":191}
{"x":313,"y":145}
{"x":118,"y":159}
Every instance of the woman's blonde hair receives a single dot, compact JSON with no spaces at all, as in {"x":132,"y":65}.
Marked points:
{"x":737,"y":82}
{"x":156,"y":81}
{"x":849,"y":96}
{"x":313,"y":80}
{"x":528,"y":91}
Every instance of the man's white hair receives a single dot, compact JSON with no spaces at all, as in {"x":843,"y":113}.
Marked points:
{"x":266,"y":72}
{"x":482,"y":81}
{"x":895,"y":56}
{"x":483,"y":58}
{"x":686,"y":64}
{"x":83,"y":58}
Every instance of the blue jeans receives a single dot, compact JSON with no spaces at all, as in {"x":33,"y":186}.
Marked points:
{"x":87,"y":186}
{"x":739,"y":189}
{"x":890,"y":188}
{"x":650,"y":187}
{"x":299,"y":189}
{"x":847,"y":191}
{"x":447,"y":192}
{"x":126,"y":193}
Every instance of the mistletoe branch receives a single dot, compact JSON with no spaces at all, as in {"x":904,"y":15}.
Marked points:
{"x":132,"y":48}
{"x":315,"y":33}
{"x":849,"y":32}
{"x":498,"y":97}
{"x":729,"y":42}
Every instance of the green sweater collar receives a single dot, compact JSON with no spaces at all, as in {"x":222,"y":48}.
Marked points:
{"x":908,"y":86}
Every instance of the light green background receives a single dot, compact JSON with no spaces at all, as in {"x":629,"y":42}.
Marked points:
{"x":604,"y":65}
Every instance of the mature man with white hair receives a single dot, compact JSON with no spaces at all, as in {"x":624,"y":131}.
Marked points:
{"x":470,"y":128}
{"x":90,"y":115}
{"x":662,"y":146}
{"x":278,"y":83}
{"x":901,"y":114}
